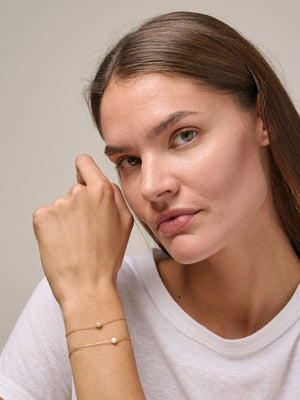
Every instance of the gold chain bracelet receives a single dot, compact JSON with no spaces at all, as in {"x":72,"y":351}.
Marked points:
{"x":112,"y":341}
{"x":98,"y":325}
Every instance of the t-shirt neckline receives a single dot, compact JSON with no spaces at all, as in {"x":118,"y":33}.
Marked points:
{"x":183,"y":322}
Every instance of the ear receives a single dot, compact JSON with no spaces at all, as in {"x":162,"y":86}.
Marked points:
{"x":261,"y":131}
{"x":262,"y":135}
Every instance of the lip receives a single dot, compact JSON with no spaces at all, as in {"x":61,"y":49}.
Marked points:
{"x":173,"y":220}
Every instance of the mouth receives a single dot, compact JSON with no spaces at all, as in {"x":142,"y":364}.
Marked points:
{"x":174,"y":220}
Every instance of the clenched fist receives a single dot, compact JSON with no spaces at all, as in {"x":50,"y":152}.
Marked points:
{"x":83,"y":236}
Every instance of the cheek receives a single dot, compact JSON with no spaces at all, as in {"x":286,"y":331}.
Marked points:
{"x":238,"y":184}
{"x":229,"y":172}
{"x":226,"y":171}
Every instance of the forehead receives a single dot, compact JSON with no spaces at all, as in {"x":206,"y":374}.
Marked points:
{"x":149,"y":82}
{"x":143,"y":101}
{"x":145,"y":89}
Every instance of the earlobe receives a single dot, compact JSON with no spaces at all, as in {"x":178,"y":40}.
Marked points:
{"x":265,"y":138}
{"x":262,"y":133}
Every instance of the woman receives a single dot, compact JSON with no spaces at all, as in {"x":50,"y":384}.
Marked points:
{"x":206,"y":142}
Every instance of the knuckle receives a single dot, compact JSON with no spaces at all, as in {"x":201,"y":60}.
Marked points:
{"x":59,"y":202}
{"x":102,"y":188}
{"x":39,"y":215}
{"x":75,"y":190}
{"x":108,"y":188}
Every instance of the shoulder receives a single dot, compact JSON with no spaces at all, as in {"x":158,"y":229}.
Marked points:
{"x":35,"y":358}
{"x":41,"y":314}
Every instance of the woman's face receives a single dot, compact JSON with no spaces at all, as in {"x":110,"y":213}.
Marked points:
{"x":191,"y":161}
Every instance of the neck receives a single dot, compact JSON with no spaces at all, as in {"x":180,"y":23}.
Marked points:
{"x":240,"y":289}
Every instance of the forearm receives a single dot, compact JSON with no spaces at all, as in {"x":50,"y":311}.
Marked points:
{"x":106,"y":371}
{"x":82,"y":240}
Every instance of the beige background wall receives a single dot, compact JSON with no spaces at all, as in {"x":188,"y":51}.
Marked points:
{"x":49,"y":50}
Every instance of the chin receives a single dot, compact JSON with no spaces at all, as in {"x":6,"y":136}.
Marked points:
{"x":190,"y":250}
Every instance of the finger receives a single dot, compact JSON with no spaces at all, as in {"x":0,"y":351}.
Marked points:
{"x":119,"y":199}
{"x":88,"y":172}
{"x":79,"y":178}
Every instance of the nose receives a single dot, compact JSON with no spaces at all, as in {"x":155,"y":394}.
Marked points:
{"x":159,"y":181}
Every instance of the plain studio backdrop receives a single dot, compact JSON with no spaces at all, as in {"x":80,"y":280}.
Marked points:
{"x":49,"y":51}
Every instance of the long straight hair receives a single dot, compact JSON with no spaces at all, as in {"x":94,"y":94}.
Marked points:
{"x":212,"y":53}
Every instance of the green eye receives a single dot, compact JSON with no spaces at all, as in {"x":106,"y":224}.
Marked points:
{"x":185,"y":137}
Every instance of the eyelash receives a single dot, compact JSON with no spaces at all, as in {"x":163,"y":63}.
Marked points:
{"x":137,"y":160}
{"x":184,"y":132}
{"x":119,"y":163}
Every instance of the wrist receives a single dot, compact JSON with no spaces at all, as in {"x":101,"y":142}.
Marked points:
{"x":90,"y":306}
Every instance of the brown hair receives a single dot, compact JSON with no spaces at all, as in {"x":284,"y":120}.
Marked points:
{"x":211,"y":52}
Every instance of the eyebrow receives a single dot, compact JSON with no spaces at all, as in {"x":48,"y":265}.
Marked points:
{"x":171,"y":120}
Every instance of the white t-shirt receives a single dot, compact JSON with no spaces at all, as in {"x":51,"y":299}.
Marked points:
{"x":177,"y":358}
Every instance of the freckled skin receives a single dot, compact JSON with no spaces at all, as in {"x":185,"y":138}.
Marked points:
{"x":221,"y":171}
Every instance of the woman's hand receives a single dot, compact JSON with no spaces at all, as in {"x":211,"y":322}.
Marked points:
{"x":82,"y":240}
{"x":82,"y":237}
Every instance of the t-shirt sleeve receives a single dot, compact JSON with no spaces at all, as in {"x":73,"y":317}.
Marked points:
{"x":34,"y":363}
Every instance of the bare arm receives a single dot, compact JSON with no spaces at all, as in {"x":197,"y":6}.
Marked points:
{"x":82,"y":240}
